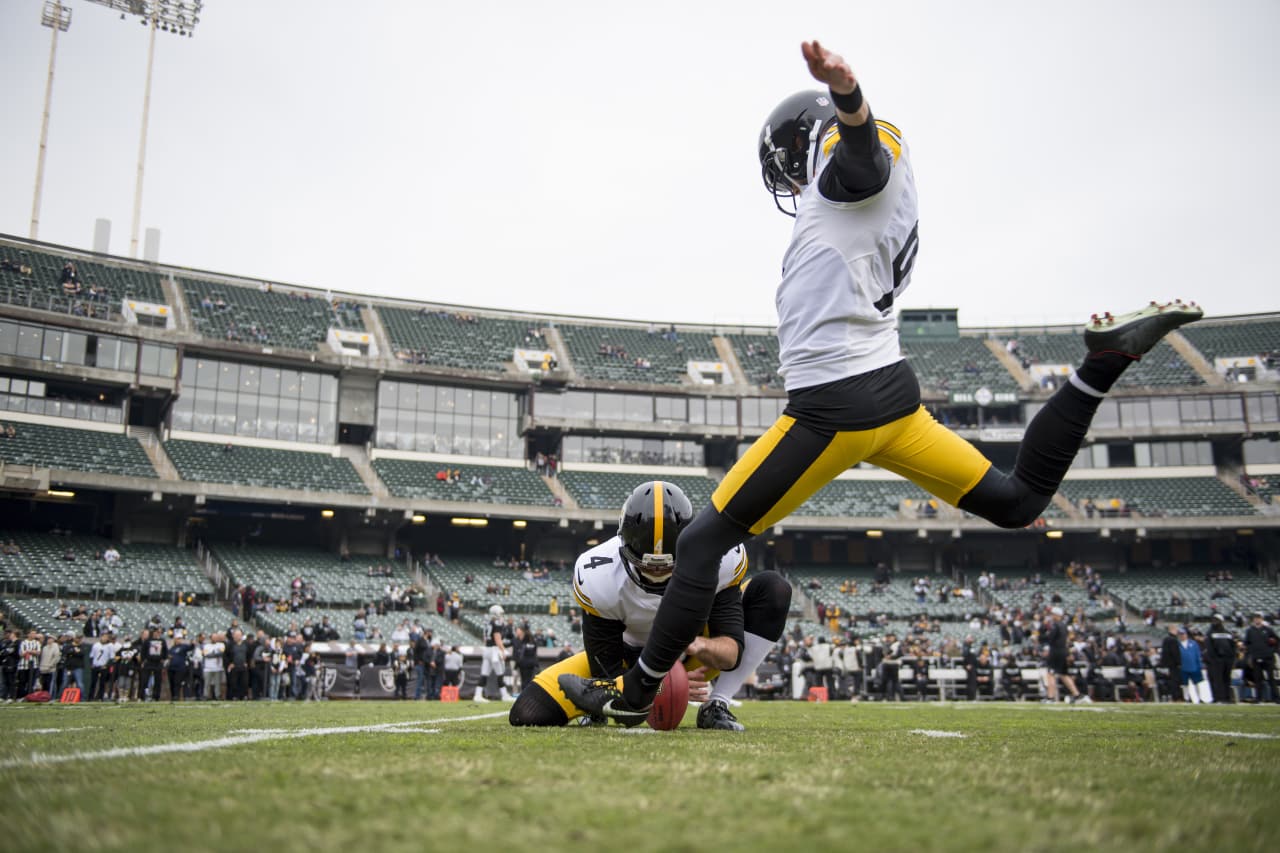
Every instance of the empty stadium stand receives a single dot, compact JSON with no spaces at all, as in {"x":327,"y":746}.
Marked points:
{"x":38,"y":613}
{"x":275,"y":317}
{"x":1252,"y":338}
{"x":897,"y":600}
{"x":1158,"y":497}
{"x":264,"y":467}
{"x":1160,"y":368}
{"x":521,"y":595}
{"x":1154,"y":588}
{"x":758,"y":358}
{"x":42,"y":287}
{"x":73,"y":449}
{"x":498,"y":484}
{"x":278,"y":624}
{"x":867,"y":498}
{"x":610,"y":489}
{"x":272,"y":570}
{"x":456,"y":340}
{"x":628,"y":354}
{"x":962,"y":365}
{"x":148,"y":572}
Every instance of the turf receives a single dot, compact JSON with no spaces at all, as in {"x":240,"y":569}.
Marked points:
{"x":284,"y":777}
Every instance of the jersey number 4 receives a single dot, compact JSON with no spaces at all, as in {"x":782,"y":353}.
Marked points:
{"x":596,"y":562}
{"x":902,"y":264}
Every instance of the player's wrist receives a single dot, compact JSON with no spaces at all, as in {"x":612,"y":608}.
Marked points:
{"x":847,"y":102}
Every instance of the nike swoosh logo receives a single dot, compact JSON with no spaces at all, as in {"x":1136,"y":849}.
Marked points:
{"x":608,"y":711}
{"x":579,"y":576}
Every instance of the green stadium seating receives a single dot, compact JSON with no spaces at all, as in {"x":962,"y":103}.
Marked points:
{"x":38,"y":613}
{"x":495,"y":484}
{"x":271,"y":571}
{"x":609,"y":490}
{"x":456,"y":340}
{"x":279,"y":317}
{"x":73,"y":449}
{"x":668,"y":359}
{"x":522,"y":596}
{"x":1152,"y":588}
{"x":866,"y":498}
{"x":1160,"y":368}
{"x":960,"y":365}
{"x":264,"y":467}
{"x":155,"y":572}
{"x":1158,"y":497}
{"x":449,"y":634}
{"x":42,"y":288}
{"x":758,"y":358}
{"x":1239,"y":339}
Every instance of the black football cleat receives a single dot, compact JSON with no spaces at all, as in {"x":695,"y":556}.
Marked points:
{"x":602,"y":697}
{"x":716,"y":715}
{"x":1134,"y":334}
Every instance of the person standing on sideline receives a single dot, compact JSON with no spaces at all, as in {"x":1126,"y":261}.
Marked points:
{"x":1190,"y":675}
{"x":852,"y":396}
{"x":1054,"y":638}
{"x":1171,"y":663}
{"x":215,"y":677}
{"x":1220,"y":659}
{"x":1260,"y":643}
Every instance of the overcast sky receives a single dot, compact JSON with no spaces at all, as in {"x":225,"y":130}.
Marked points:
{"x":590,"y":158}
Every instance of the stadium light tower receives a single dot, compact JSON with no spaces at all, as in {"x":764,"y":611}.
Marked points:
{"x":171,"y":16}
{"x":57,"y":18}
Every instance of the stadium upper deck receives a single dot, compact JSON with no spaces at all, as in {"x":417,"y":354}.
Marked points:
{"x":239,"y":389}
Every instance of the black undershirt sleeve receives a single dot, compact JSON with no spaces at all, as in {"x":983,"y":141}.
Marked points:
{"x":859,"y":165}
{"x":726,"y":619}
{"x":602,"y":641}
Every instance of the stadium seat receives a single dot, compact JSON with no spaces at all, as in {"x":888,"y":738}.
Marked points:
{"x":72,"y":449}
{"x":264,"y":467}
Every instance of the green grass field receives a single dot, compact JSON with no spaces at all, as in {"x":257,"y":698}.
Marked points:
{"x":414,"y":776}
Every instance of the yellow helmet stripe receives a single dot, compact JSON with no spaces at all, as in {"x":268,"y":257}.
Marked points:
{"x":657,"y":516}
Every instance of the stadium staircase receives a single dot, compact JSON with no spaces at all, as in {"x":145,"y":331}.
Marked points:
{"x":359,"y":459}
{"x":150,"y":441}
{"x":373,"y":322}
{"x":555,"y":341}
{"x":1194,"y":358}
{"x":177,"y":303}
{"x":1011,"y":364}
{"x":724,"y":349}
{"x":560,"y":492}
{"x":1068,"y":508}
{"x":1231,"y":479}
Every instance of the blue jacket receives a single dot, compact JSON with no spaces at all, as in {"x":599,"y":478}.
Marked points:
{"x":1190,"y":655}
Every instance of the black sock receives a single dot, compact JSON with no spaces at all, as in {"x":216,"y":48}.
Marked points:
{"x":1053,"y":438}
{"x":1100,"y":370}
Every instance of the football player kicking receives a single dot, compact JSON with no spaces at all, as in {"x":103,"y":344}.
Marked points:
{"x":619,"y":583}
{"x":851,"y":395}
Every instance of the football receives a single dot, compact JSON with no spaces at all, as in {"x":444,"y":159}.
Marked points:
{"x":672,"y":700}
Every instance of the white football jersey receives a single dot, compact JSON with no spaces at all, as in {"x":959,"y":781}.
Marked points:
{"x":846,"y":264}
{"x":602,"y":588}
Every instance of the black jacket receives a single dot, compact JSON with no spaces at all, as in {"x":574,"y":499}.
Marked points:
{"x":1170,"y":654}
{"x":1260,"y":641}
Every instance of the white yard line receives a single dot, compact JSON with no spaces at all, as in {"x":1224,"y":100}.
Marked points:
{"x":1245,"y":735}
{"x":38,"y":759}
{"x":56,"y":731}
{"x":935,"y":733}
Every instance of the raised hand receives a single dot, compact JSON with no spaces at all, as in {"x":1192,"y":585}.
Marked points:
{"x":829,"y":68}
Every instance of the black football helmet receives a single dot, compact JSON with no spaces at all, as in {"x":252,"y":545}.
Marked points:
{"x":652,"y":519}
{"x":789,"y":143}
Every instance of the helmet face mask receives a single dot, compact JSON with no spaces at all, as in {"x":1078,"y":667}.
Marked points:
{"x":651,"y":522}
{"x":789,"y":144}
